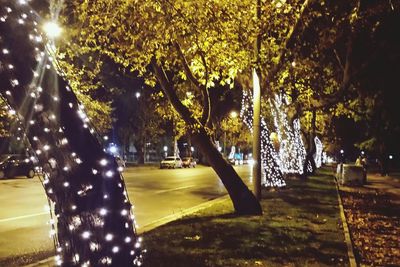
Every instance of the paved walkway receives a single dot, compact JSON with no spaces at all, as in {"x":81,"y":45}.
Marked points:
{"x":388,"y":184}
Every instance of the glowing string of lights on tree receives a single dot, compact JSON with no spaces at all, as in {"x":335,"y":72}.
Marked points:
{"x":291,"y":148}
{"x":318,"y":152}
{"x":93,"y":222}
{"x":271,"y":174}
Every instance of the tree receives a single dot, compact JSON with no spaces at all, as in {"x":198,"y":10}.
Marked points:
{"x":178,"y":42}
{"x":92,"y":211}
{"x":137,"y":121}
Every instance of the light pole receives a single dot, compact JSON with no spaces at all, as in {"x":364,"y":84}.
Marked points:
{"x":165,"y":151}
{"x":257,"y":110}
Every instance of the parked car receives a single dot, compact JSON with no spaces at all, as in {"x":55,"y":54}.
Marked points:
{"x":171,"y":162}
{"x":188,"y":162}
{"x":16,"y":165}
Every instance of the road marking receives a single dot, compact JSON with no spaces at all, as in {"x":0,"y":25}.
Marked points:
{"x":24,"y":216}
{"x":174,"y":189}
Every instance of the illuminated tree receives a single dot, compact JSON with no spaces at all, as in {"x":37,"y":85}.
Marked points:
{"x":271,"y":166}
{"x":92,"y":223}
{"x":180,"y":45}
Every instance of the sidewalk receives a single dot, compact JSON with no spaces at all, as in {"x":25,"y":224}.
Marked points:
{"x":388,"y":184}
{"x":373,"y":215}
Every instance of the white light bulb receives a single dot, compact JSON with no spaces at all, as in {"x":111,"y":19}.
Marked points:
{"x":109,"y":237}
{"x":109,"y":173}
{"x":86,"y":234}
{"x":115,"y":249}
{"x":103,"y":162}
{"x":103,"y":212}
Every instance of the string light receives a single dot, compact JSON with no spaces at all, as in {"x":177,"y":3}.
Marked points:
{"x":271,"y":174}
{"x":318,"y":152}
{"x":64,"y":163}
{"x":291,"y":149}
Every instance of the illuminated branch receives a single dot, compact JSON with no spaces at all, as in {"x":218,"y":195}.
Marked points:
{"x":171,"y":94}
{"x":203,"y":88}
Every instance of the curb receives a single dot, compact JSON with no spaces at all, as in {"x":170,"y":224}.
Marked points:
{"x":347,"y":237}
{"x":182,"y":213}
{"x":173,"y":217}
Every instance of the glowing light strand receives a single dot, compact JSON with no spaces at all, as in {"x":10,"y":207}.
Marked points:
{"x":318,"y":152}
{"x":291,"y":148}
{"x":271,"y":174}
{"x":69,"y":187}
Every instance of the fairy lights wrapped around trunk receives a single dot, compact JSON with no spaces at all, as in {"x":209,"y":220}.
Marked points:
{"x":93,"y":224}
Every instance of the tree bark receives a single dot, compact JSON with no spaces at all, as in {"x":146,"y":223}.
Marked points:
{"x":311,"y":148}
{"x":243,"y":200}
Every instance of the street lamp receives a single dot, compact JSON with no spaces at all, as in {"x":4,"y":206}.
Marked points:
{"x":113,"y":148}
{"x":52,"y":29}
{"x":165,"y":151}
{"x":233,"y":114}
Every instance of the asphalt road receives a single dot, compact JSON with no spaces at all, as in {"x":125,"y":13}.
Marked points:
{"x":155,"y":193}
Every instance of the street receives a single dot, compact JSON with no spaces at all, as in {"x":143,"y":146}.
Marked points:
{"x":155,"y":193}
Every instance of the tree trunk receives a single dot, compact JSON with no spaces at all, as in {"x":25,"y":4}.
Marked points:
{"x":311,"y":148}
{"x":242,"y":198}
{"x":93,"y":224}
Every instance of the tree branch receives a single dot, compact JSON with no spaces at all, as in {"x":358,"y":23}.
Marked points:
{"x":186,"y":68}
{"x":338,"y":59}
{"x":171,"y":94}
{"x":289,"y":39}
{"x":205,"y":117}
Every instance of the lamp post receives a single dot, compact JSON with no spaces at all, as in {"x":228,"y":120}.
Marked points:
{"x":165,"y":151}
{"x":52,"y":29}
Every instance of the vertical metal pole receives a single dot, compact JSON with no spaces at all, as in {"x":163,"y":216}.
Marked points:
{"x":224,"y":143}
{"x":256,"y":136}
{"x":256,"y":113}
